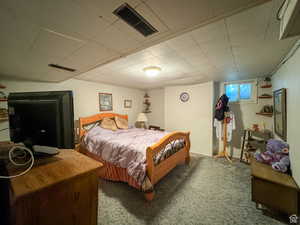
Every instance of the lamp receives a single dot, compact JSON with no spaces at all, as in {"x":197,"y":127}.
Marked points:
{"x":152,"y":71}
{"x":142,"y":119}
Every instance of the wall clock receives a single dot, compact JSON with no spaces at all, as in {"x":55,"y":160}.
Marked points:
{"x":184,"y":96}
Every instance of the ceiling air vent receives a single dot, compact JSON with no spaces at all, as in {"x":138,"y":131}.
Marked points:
{"x":134,"y":19}
{"x":61,"y":67}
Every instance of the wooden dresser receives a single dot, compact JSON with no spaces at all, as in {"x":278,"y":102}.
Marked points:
{"x":60,"y":190}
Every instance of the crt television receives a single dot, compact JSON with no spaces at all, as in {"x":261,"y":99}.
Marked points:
{"x":42,"y":118}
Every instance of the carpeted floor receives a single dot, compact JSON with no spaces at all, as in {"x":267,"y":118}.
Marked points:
{"x":208,"y":191}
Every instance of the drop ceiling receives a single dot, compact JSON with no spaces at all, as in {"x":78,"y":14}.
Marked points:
{"x":197,"y":41}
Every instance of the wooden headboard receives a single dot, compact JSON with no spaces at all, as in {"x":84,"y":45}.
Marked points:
{"x":83,"y":121}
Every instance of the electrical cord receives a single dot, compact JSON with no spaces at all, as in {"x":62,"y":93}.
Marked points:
{"x":19,"y":152}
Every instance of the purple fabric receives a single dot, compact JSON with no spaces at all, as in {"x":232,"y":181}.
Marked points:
{"x":123,"y":148}
{"x":275,"y":155}
{"x":275,"y":145}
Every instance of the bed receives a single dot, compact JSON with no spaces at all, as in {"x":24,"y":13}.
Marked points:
{"x":138,"y":157}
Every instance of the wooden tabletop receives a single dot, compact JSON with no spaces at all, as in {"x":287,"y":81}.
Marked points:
{"x":51,"y":170}
{"x":265,"y":172}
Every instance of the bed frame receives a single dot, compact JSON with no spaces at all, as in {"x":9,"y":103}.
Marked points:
{"x":154,"y":172}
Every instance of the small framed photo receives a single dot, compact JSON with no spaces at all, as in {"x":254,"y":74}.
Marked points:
{"x":105,"y":102}
{"x":127,"y":103}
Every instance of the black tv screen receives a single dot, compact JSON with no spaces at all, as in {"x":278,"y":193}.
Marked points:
{"x":42,"y":118}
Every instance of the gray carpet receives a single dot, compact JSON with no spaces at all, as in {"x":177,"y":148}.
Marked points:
{"x":208,"y":191}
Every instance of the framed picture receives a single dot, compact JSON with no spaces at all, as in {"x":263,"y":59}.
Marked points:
{"x":280,"y":119}
{"x":105,"y":102}
{"x":127,"y":103}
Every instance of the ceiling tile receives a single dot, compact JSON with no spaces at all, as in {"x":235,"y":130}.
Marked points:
{"x":52,"y":45}
{"x":210,"y":32}
{"x":89,"y":55}
{"x":182,"y":42}
{"x":221,"y":46}
{"x":177,"y":15}
{"x":105,"y":9}
{"x":152,"y":17}
{"x":14,"y":47}
{"x":162,"y":49}
{"x":114,"y":39}
{"x":253,"y":21}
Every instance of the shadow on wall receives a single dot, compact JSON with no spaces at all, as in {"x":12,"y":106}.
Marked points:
{"x":237,"y":134}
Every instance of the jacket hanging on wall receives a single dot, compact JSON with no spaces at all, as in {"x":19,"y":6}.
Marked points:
{"x":230,"y":123}
{"x":221,"y":107}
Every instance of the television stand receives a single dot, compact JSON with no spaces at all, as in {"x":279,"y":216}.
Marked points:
{"x":62,"y":189}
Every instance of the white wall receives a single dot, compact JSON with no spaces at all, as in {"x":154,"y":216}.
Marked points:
{"x":194,"y":116}
{"x":288,"y":76}
{"x":157,"y":115}
{"x":86,"y":100}
{"x":245,"y":117}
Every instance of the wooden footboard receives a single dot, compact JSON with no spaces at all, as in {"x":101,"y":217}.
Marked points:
{"x":156,"y":172}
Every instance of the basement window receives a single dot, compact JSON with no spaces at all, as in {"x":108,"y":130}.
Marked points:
{"x":241,"y":91}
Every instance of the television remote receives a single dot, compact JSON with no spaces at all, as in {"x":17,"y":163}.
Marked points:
{"x":45,"y":149}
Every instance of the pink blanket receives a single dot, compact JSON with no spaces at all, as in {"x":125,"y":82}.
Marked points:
{"x":123,"y":148}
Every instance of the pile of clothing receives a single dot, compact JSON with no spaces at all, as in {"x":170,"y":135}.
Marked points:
{"x":276,"y":155}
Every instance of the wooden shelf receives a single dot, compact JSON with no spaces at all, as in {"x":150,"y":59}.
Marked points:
{"x":265,"y":114}
{"x":3,"y":99}
{"x":3,"y":119}
{"x":266,"y":86}
{"x":265,"y":96}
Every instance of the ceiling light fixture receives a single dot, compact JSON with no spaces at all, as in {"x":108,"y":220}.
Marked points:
{"x":152,"y":71}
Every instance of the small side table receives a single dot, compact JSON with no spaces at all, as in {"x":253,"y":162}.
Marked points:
{"x":253,"y":140}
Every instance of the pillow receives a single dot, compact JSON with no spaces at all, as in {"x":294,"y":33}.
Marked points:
{"x":109,"y":124}
{"x":90,"y":126}
{"x":121,"y":123}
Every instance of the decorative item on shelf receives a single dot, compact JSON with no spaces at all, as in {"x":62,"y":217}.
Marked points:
{"x":255,"y":127}
{"x":267,"y":83}
{"x":147,"y":103}
{"x":105,"y":102}
{"x":2,"y":86}
{"x":127,"y":103}
{"x":141,"y":121}
{"x":267,"y":110}
{"x":265,"y":96}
